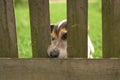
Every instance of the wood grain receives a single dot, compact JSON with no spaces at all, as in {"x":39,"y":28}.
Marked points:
{"x":59,"y":69}
{"x":40,"y":27}
{"x":77,"y":11}
{"x":8,"y":38}
{"x":111,"y":28}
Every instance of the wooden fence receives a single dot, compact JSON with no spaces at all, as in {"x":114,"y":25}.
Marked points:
{"x":42,"y":68}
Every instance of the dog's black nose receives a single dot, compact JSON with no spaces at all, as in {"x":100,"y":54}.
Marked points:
{"x":54,"y":54}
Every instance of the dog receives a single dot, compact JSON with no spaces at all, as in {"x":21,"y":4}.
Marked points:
{"x":58,"y":46}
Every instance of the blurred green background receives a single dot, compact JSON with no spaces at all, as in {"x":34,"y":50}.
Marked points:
{"x":57,"y":13}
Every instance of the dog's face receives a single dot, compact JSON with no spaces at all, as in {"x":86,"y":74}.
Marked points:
{"x":58,"y":46}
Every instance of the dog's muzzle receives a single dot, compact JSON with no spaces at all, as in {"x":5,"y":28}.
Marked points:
{"x":54,"y":54}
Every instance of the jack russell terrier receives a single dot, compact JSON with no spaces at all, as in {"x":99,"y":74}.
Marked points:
{"x":58,"y":46}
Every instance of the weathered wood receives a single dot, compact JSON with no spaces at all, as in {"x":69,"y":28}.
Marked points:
{"x":77,"y":28}
{"x":8,"y":40}
{"x":59,"y":69}
{"x":40,"y":27}
{"x":111,"y":28}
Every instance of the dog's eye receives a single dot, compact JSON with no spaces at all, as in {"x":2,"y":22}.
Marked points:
{"x":64,"y":37}
{"x":52,"y":39}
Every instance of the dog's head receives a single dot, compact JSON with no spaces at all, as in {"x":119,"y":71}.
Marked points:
{"x":58,"y":46}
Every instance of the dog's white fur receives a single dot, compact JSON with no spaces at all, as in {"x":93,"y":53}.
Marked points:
{"x":90,"y":48}
{"x":61,"y":23}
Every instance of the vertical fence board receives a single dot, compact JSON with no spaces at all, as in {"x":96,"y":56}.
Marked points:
{"x":8,"y":40}
{"x":111,"y":28}
{"x":39,"y":15}
{"x":77,"y":28}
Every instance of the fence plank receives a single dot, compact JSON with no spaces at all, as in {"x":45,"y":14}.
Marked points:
{"x":111,"y":28}
{"x":77,"y":28}
{"x":40,"y":30}
{"x":8,"y":40}
{"x":59,"y":69}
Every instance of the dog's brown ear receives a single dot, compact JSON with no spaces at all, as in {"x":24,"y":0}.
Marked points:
{"x":52,"y":27}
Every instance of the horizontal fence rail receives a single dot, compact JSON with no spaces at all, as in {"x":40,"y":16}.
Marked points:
{"x":54,"y":69}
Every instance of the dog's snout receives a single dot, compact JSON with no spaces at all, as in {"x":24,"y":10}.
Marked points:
{"x":54,"y":54}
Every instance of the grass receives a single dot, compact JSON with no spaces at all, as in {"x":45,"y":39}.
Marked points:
{"x":95,"y":23}
{"x":23,"y":31}
{"x":57,"y":13}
